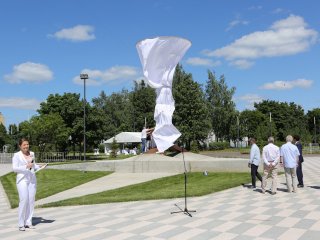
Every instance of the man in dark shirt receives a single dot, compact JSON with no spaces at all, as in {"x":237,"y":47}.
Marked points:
{"x":296,"y":141}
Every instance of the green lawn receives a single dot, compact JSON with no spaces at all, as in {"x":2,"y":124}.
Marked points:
{"x":163,"y":188}
{"x":50,"y":181}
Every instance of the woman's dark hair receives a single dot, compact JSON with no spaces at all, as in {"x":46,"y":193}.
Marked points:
{"x":296,"y":137}
{"x":21,"y":140}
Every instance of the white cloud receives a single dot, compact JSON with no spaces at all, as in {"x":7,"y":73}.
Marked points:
{"x":196,"y":61}
{"x":242,"y":63}
{"x":78,"y":33}
{"x":285,"y":85}
{"x":255,"y":8}
{"x":234,"y":23}
{"x":277,"y":10}
{"x":111,"y":75}
{"x":29,"y":72}
{"x":285,"y":37}
{"x":250,"y":99}
{"x":20,"y":103}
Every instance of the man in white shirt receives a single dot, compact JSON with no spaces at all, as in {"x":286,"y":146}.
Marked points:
{"x":270,"y":156}
{"x":289,"y":157}
{"x":254,"y":162}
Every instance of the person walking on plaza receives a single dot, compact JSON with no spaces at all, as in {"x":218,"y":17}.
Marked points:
{"x":254,"y":162}
{"x":289,"y":157}
{"x":23,"y":163}
{"x":296,"y":141}
{"x":270,"y":156}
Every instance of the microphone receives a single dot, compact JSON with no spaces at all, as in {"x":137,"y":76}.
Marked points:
{"x":31,"y":162}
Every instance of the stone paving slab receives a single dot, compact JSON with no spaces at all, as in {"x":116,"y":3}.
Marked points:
{"x":237,"y":213}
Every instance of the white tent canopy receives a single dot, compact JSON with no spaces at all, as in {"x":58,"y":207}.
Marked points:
{"x":126,"y":137}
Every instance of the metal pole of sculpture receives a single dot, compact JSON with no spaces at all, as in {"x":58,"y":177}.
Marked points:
{"x":159,"y":57}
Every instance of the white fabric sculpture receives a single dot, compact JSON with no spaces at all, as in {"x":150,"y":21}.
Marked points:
{"x":159,"y":57}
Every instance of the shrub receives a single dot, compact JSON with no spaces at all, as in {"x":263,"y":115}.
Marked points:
{"x":114,"y":148}
{"x":194,"y":147}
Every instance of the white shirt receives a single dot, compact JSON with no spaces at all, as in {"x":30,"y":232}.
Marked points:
{"x":19,"y":164}
{"x":271,"y":154}
{"x":144,"y":133}
{"x":254,"y":155}
{"x":290,"y":153}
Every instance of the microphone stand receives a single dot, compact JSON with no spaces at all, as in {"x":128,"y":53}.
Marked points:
{"x":185,"y":210}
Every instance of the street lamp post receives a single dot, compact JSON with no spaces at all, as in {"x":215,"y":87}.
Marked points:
{"x":315,"y":130}
{"x":270,"y":124}
{"x":238,"y":140}
{"x":84,"y":77}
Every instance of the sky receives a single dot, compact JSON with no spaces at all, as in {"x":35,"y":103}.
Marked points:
{"x":267,"y":50}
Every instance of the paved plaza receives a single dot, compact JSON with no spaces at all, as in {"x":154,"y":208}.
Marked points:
{"x":237,"y":213}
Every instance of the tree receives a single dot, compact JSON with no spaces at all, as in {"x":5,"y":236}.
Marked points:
{"x":143,"y":101}
{"x":46,"y":132}
{"x":70,"y":108}
{"x":313,"y":123}
{"x":288,"y":118}
{"x":115,"y":111}
{"x":191,"y":110}
{"x":3,"y":136}
{"x":114,"y":148}
{"x":221,"y":107}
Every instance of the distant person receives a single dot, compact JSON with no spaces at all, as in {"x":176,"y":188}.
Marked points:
{"x":150,"y":140}
{"x":296,"y":141}
{"x":289,"y":157}
{"x":23,"y":163}
{"x":254,"y":162}
{"x":143,"y":139}
{"x":271,"y":157}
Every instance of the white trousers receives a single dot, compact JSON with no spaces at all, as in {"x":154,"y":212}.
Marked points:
{"x":27,"y":193}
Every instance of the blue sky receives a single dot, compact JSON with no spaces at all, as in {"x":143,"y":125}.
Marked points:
{"x":266,"y":49}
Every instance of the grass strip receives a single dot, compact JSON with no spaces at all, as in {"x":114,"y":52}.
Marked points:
{"x":49,"y":182}
{"x":163,"y":188}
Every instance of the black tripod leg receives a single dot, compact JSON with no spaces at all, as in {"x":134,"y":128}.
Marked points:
{"x":185,"y":211}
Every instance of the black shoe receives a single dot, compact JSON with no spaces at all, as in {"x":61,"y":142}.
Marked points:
{"x":29,"y":226}
{"x":300,"y":185}
{"x":273,"y":193}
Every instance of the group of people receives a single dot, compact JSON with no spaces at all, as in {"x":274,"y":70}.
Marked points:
{"x":289,"y":156}
{"x":147,"y":141}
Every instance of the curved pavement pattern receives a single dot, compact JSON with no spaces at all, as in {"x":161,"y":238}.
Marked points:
{"x":237,"y":213}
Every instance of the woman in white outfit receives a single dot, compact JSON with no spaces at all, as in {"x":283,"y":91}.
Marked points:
{"x":23,"y":163}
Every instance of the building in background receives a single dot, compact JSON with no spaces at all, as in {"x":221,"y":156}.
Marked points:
{"x":1,"y":118}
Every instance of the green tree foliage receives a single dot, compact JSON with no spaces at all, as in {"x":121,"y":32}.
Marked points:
{"x":115,"y":110}
{"x":46,"y":132}
{"x":70,"y":108}
{"x":221,"y":107}
{"x":143,"y":101}
{"x":114,"y":148}
{"x":191,"y":113}
{"x":3,"y":136}
{"x":288,"y":118}
{"x":313,"y":124}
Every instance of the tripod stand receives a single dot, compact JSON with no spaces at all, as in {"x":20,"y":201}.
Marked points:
{"x":185,"y":210}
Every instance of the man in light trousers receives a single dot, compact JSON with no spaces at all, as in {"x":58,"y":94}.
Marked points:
{"x":270,"y":156}
{"x":289,"y":157}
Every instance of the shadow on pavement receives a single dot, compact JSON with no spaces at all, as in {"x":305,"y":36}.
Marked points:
{"x":40,"y":220}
